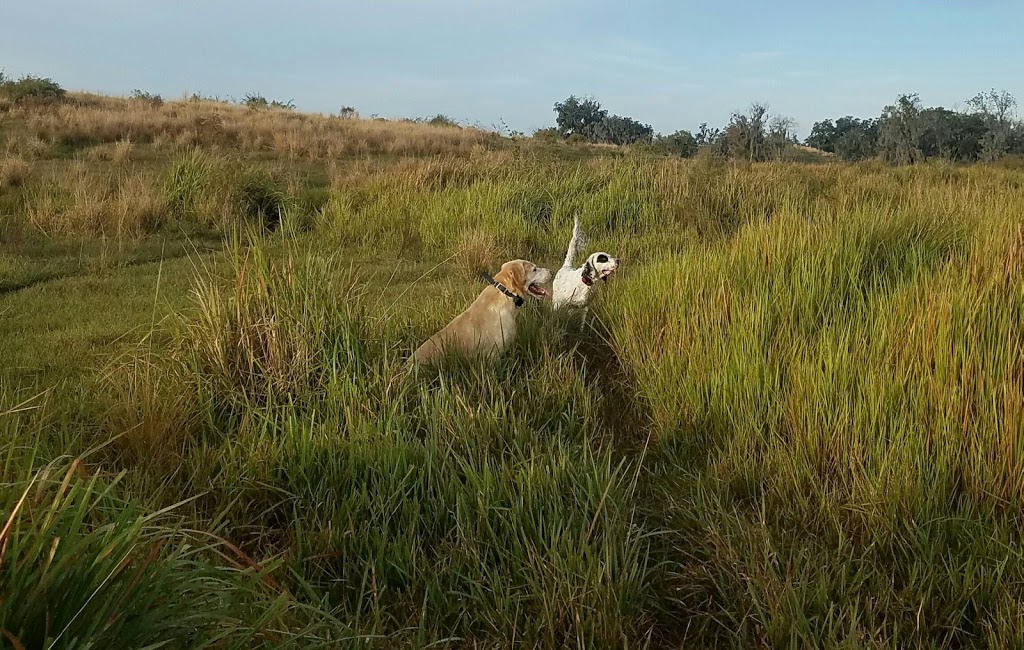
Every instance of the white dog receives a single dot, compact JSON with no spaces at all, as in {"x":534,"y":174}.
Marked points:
{"x":573,"y":285}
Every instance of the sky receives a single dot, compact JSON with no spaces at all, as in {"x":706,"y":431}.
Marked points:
{"x":671,"y":64}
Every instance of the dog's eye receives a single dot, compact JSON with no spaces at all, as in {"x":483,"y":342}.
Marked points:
{"x":602,"y":258}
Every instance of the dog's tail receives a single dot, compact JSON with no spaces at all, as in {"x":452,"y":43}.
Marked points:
{"x":574,"y":243}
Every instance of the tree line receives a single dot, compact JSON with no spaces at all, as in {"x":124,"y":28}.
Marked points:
{"x":906,"y":132}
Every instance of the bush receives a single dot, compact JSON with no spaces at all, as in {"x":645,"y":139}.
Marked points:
{"x":549,"y":134}
{"x":152,"y":99}
{"x":32,"y":89}
{"x":443,"y":120}
{"x":619,"y":130}
{"x":260,"y":103}
{"x":261,"y":198}
{"x":680,"y":143}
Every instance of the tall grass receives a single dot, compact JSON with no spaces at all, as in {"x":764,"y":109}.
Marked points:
{"x":796,"y":423}
{"x":838,"y":403}
{"x":82,"y":567}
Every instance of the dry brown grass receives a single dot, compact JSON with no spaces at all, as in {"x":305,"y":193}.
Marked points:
{"x":14,"y":172}
{"x":91,"y":120}
{"x":119,"y":153}
{"x":81,"y":201}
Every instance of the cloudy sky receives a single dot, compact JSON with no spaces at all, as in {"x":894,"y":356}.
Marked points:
{"x":673,"y":64}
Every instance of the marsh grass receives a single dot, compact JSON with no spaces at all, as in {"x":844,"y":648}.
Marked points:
{"x":794,"y":419}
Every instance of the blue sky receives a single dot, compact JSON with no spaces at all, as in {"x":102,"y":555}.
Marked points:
{"x":670,"y":64}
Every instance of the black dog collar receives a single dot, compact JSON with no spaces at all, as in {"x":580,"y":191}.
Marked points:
{"x":516,"y":299}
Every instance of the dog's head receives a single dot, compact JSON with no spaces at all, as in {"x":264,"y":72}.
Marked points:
{"x":525,"y":278}
{"x":601,"y":265}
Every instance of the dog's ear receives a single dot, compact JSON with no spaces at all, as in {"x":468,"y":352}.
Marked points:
{"x":513,"y":275}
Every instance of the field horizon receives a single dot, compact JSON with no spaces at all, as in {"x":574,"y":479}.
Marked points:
{"x":794,"y":420}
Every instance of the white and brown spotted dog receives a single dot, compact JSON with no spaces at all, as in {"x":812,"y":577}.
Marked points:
{"x":488,"y":326}
{"x":573,"y":286}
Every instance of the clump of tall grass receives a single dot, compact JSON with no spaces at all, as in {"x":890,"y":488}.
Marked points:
{"x":273,"y":331}
{"x":82,"y":567}
{"x":206,"y":188}
{"x":88,"y":203}
{"x":189,"y":179}
{"x":14,"y":172}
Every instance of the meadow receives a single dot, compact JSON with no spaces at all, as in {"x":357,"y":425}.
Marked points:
{"x":797,"y":419}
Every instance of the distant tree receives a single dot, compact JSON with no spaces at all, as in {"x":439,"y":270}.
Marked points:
{"x":578,"y":116}
{"x":680,"y":143}
{"x":899,"y":131}
{"x":823,"y":136}
{"x":746,"y":134}
{"x":615,"y":129}
{"x":781,"y":137}
{"x":348,"y":113}
{"x":757,"y":135}
{"x":856,"y":139}
{"x":709,"y":137}
{"x":997,"y":109}
{"x":953,"y":136}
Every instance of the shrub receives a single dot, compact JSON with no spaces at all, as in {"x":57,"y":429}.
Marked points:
{"x":549,"y":134}
{"x":151,"y":99}
{"x":261,"y":198}
{"x":32,"y":89}
{"x":443,"y":120}
{"x":680,"y":143}
{"x":14,"y":172}
{"x":259,"y":103}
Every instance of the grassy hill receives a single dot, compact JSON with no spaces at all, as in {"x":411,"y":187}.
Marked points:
{"x":796,"y":422}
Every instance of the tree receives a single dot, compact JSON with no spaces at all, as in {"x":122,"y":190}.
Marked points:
{"x":899,"y":131}
{"x":745,"y":135}
{"x":619,"y":130}
{"x":997,"y":110}
{"x":680,"y":143}
{"x":578,"y":116}
{"x":856,"y":139}
{"x":823,"y":136}
{"x":712,"y":138}
{"x":781,"y":137}
{"x":950,"y":135}
{"x":757,"y":135}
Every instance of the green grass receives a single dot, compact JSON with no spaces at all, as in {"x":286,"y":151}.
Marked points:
{"x":797,"y":421}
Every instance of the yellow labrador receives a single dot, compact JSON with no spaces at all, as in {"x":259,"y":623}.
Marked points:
{"x":489,"y":324}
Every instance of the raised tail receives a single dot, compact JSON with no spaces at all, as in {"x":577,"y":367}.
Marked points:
{"x":574,"y":243}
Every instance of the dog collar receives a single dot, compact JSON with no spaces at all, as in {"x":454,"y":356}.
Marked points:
{"x":587,"y":275}
{"x":516,"y":299}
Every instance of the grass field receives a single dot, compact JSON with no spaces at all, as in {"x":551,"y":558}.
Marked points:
{"x":796,"y":422}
